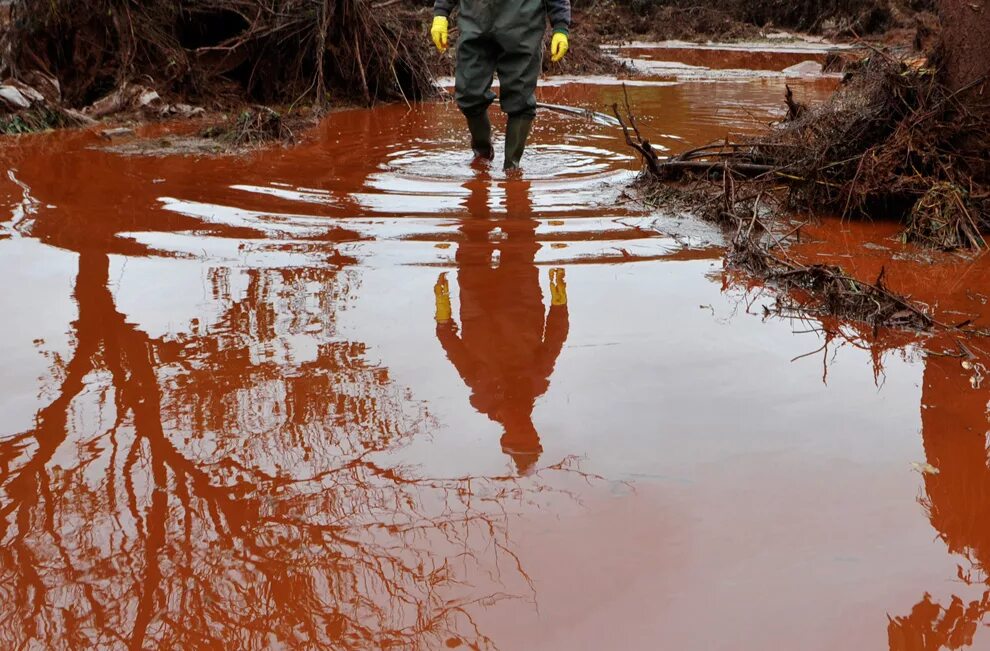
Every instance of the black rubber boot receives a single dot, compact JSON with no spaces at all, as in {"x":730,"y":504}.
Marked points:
{"x":480,"y":127}
{"x":516,"y":135}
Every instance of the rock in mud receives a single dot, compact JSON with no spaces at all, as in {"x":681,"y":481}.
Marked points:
{"x":150,"y":100}
{"x":27,"y":91}
{"x":804,"y":69}
{"x":13,"y":99}
{"x":128,"y":98}
{"x":117,"y":134}
{"x":187,"y":111}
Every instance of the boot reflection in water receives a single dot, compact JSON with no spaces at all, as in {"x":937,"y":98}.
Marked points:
{"x":508,"y":344}
{"x":957,"y":501}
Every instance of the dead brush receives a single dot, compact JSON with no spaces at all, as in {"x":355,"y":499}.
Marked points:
{"x":256,"y":126}
{"x":888,"y":145}
{"x":37,"y":119}
{"x":942,"y":219}
{"x":758,"y":246}
{"x":753,"y":200}
{"x":263,"y":51}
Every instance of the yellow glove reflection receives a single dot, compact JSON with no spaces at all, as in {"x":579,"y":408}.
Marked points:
{"x":558,"y":287}
{"x":559,"y":46}
{"x":442,"y":292}
{"x":439,"y":33}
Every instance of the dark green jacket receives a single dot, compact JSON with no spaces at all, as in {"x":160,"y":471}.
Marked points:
{"x":559,"y":11}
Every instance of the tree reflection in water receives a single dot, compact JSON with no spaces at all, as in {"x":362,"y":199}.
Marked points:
{"x":201,"y":492}
{"x":954,"y":420}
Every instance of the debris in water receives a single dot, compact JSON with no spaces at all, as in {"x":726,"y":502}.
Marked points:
{"x":886,"y":145}
{"x":120,"y":132}
{"x":924,"y":468}
{"x":252,"y":127}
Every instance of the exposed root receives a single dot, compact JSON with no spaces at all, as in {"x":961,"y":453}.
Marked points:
{"x":221,"y":50}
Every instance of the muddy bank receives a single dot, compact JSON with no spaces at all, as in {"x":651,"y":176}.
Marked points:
{"x":162,"y":60}
{"x":97,"y":60}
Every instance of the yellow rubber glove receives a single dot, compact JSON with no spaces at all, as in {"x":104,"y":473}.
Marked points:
{"x":442,"y":292}
{"x":558,"y":287}
{"x":441,"y":26}
{"x":559,"y":46}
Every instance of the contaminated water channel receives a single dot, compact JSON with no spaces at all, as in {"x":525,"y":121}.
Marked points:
{"x":355,"y":394}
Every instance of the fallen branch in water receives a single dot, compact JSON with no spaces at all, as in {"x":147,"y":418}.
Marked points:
{"x":889,"y":142}
{"x":758,"y":247}
{"x":830,"y":290}
{"x":893,"y":143}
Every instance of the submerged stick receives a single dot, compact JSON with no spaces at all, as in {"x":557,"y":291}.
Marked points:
{"x":594,"y":116}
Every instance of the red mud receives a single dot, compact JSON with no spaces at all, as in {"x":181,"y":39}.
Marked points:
{"x":726,"y":59}
{"x":356,"y":395}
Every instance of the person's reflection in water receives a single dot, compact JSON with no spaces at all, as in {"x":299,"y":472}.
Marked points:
{"x":508,"y":344}
{"x":957,"y":499}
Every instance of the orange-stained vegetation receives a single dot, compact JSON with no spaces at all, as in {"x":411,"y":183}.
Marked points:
{"x":356,"y":395}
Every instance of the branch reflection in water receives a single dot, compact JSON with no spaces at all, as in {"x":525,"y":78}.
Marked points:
{"x":956,"y":476}
{"x":204,"y":491}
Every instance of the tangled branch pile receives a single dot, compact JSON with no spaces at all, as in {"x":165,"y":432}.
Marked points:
{"x":761,"y":230}
{"x":266,"y":51}
{"x":893,"y":143}
{"x":826,"y":289}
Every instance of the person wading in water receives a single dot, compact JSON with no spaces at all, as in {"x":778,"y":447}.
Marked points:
{"x":504,"y":36}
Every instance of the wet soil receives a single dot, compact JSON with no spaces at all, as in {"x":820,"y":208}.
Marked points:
{"x":357,"y":394}
{"x":744,"y":60}
{"x":726,"y":57}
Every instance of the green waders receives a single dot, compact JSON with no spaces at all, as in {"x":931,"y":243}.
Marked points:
{"x":503,"y":36}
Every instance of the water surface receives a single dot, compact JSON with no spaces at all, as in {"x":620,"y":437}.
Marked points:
{"x":356,"y":394}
